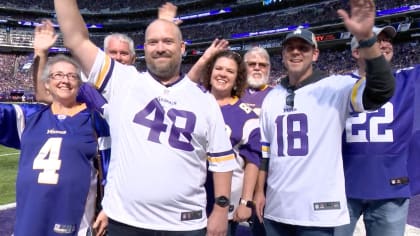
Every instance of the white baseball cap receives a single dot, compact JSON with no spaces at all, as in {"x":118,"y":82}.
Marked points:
{"x":389,"y":30}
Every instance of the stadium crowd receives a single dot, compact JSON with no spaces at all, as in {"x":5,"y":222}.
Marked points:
{"x":124,"y":5}
{"x":334,"y":61}
{"x":206,"y":30}
{"x":17,"y":71}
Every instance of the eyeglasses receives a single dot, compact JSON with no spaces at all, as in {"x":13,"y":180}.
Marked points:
{"x":60,"y":76}
{"x":290,"y":98}
{"x":259,"y":64}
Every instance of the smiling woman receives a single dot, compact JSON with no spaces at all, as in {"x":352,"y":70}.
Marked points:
{"x":54,"y":141}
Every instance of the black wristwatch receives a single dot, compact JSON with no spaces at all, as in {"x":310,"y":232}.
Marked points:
{"x":222,"y":201}
{"x":249,"y":204}
{"x":368,"y":42}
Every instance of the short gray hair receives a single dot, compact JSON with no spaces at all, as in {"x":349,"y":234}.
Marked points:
{"x":56,"y":59}
{"x":258,"y":50}
{"x":122,"y":38}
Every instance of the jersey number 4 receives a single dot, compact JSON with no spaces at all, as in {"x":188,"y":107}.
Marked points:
{"x":48,"y":161}
{"x":182,"y":125}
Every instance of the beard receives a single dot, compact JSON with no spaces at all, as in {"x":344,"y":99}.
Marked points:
{"x":257,"y":82}
{"x":164,"y":71}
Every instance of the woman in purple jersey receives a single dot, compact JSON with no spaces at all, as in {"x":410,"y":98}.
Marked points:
{"x":56,"y":182}
{"x":226,"y":79}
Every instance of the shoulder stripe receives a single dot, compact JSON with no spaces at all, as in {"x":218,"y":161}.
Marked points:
{"x":105,"y":73}
{"x":354,"y":93}
{"x":20,"y":120}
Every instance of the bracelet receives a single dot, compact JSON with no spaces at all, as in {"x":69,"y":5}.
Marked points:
{"x":368,"y":42}
{"x":249,"y":204}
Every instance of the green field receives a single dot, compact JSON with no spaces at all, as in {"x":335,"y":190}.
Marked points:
{"x":8,"y":168}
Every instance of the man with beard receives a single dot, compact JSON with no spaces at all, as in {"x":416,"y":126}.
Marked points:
{"x":257,"y":62}
{"x":162,"y":134}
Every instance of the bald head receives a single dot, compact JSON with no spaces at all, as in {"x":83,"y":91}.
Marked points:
{"x":162,"y":23}
{"x":163,"y":49}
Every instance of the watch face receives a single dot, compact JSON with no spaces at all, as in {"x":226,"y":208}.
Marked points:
{"x":222,"y":201}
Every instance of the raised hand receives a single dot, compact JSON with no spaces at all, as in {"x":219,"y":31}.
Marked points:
{"x":215,"y":47}
{"x":44,"y":37}
{"x":168,"y":12}
{"x":361,"y":19}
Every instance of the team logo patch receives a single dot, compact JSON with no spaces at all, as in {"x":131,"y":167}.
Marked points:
{"x":319,"y":206}
{"x":64,"y":229}
{"x":191,"y":215}
{"x":398,"y":181}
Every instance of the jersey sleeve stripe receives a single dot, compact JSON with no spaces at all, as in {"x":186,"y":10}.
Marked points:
{"x":104,"y":143}
{"x":20,"y":120}
{"x":105,"y":73}
{"x":354,"y":95}
{"x":265,"y":149}
{"x":221,"y":158}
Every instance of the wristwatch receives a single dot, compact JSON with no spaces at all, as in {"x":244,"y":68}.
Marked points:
{"x":368,"y":42}
{"x":222,"y":201}
{"x":246,"y":203}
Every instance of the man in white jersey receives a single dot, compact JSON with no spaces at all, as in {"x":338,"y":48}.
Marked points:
{"x":302,"y":120}
{"x":162,"y":134}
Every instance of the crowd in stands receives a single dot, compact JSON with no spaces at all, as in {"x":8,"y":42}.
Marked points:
{"x":96,"y":5}
{"x":124,"y":5}
{"x":222,"y":28}
{"x":15,"y":70}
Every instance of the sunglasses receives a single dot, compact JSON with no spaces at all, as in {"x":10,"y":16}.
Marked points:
{"x":255,"y":64}
{"x":290,"y":98}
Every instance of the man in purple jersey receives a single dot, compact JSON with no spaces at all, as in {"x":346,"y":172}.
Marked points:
{"x":257,"y":62}
{"x":375,"y":151}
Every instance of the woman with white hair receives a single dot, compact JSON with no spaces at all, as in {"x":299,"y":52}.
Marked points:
{"x":56,"y":181}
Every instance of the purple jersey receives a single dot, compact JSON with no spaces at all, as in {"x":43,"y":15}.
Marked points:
{"x":414,"y":164}
{"x":242,"y":125}
{"x":375,"y":146}
{"x":255,"y":97}
{"x":92,"y":97}
{"x":55,"y":170}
